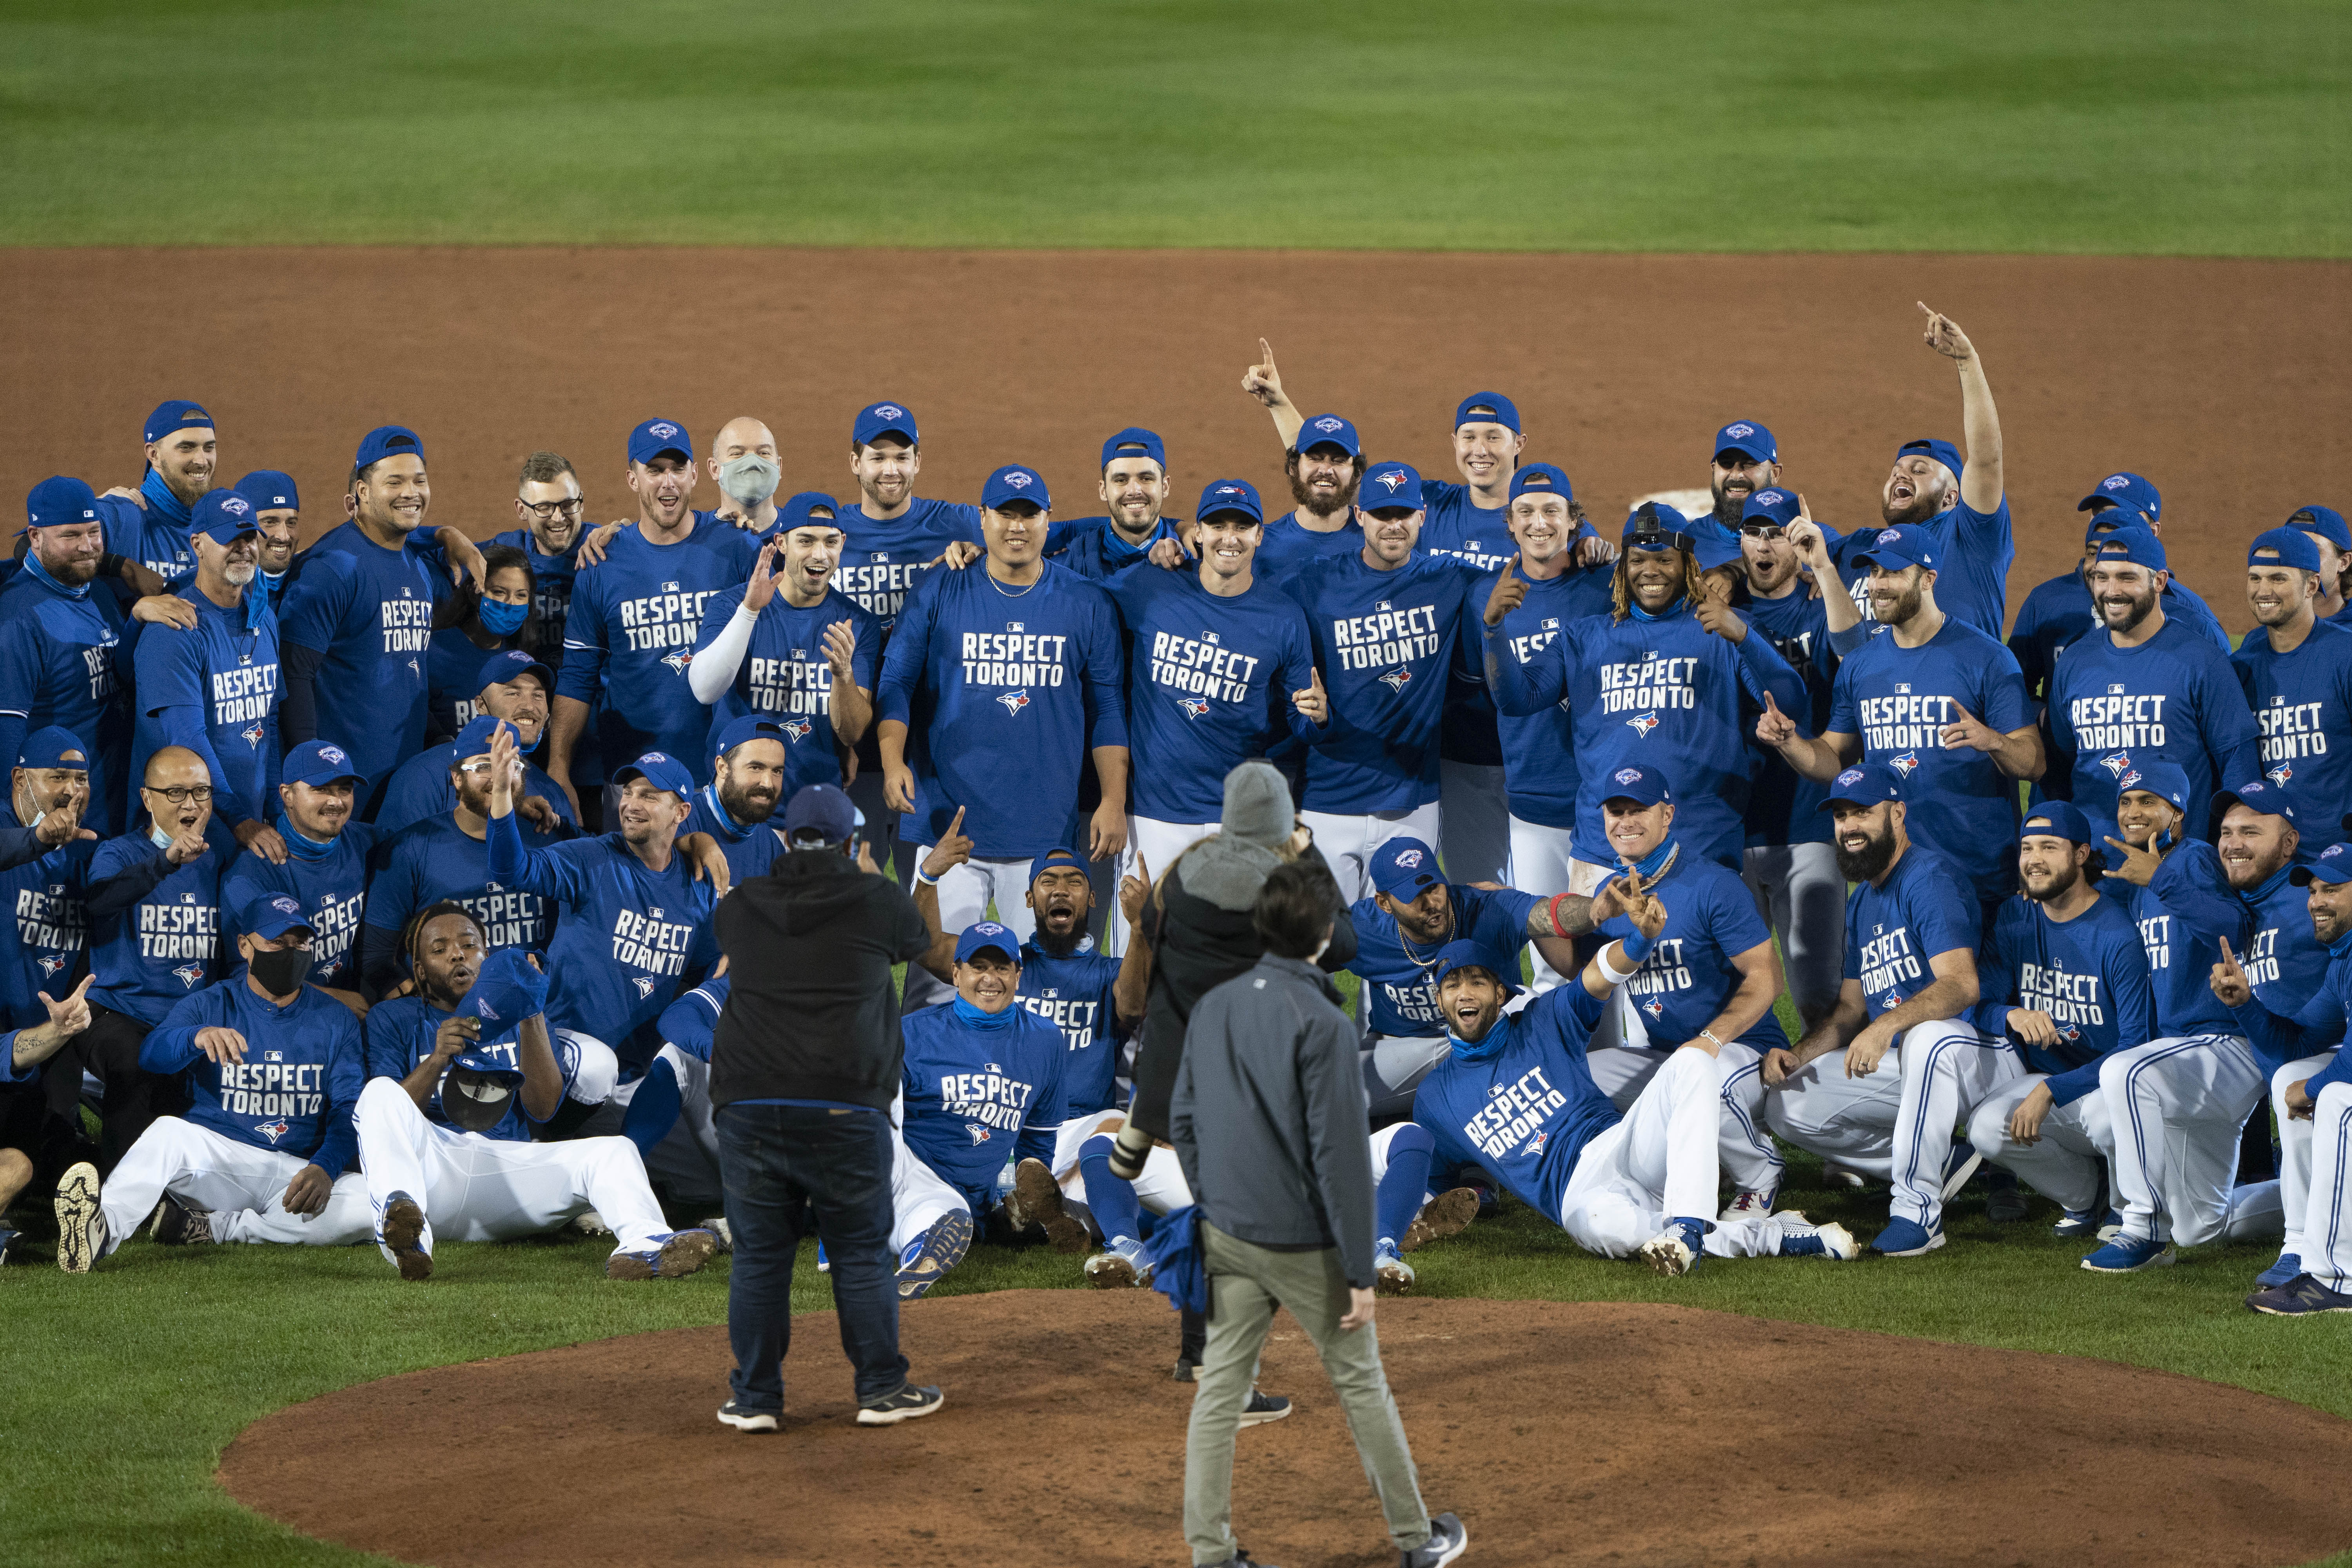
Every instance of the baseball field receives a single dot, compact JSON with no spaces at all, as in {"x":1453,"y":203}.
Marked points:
{"x":531,"y":226}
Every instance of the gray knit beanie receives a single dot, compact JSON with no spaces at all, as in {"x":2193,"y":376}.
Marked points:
{"x":1257,"y":805}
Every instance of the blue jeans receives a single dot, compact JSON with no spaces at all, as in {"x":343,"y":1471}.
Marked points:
{"x":786,"y":1166}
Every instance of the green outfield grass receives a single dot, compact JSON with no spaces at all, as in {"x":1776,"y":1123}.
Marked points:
{"x":2127,"y":126}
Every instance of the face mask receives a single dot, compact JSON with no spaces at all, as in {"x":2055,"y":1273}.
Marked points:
{"x":282,"y":971}
{"x":161,"y":839}
{"x":502,"y":619}
{"x":750,"y":479}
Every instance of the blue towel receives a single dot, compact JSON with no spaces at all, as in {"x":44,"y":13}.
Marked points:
{"x":1180,"y":1271}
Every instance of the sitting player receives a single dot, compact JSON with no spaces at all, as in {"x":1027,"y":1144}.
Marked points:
{"x":461,"y":1071}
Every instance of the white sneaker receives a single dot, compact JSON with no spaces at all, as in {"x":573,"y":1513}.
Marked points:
{"x":1391,"y":1275}
{"x":588,"y":1222}
{"x":1748,"y":1205}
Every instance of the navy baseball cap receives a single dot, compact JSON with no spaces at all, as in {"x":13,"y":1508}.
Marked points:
{"x":223,"y":517}
{"x":269,"y":490}
{"x":1544,"y":479}
{"x":270,"y":915}
{"x":2127,"y":490}
{"x":2057,"y":819}
{"x":53,"y":746}
{"x":1750,"y":440}
{"x":981,"y":936}
{"x":819,"y":816}
{"x":1135,"y":441}
{"x":1390,"y":486}
{"x":387,"y":441}
{"x":2333,"y":864}
{"x":1654,"y":525}
{"x":1062,"y":859}
{"x":660,"y":770}
{"x":1013,"y":482}
{"x":478,"y":1089}
{"x":473,"y":739}
{"x":512,"y":664}
{"x":1487,"y":408}
{"x":801,"y":510}
{"x":751,"y":727}
{"x":2136,"y":545}
{"x":1642,"y":786}
{"x":174,"y":414}
{"x":2325,"y":521}
{"x":1229,"y":495}
{"x":655,"y":437}
{"x":1329,"y":431}
{"x":1456,"y":955}
{"x":316,"y":763}
{"x":60,"y":501}
{"x":1933,"y":447}
{"x":1893,"y":548}
{"x":2283,"y":547}
{"x":2168,"y":781}
{"x":2266,"y":796}
{"x":1777,"y":507}
{"x":1865,"y":783}
{"x":877,"y":420}
{"x":1404,"y":868}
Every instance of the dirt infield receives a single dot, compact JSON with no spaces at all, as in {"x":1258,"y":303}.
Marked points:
{"x":1561,"y":1433}
{"x":2221,"y":380}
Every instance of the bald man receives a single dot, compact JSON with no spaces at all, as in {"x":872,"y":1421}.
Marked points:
{"x":744,"y":465}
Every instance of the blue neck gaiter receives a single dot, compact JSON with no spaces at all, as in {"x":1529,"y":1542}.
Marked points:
{"x":1484,"y":1050}
{"x":974,"y":1018}
{"x":41,"y":574}
{"x":1668,"y":613}
{"x":162,"y":503}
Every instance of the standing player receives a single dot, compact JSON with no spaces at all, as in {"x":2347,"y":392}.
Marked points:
{"x":2143,"y":689}
{"x":515,"y":686}
{"x":325,"y":872}
{"x":2128,"y":500}
{"x":1135,"y":487}
{"x":2297,"y":671}
{"x":2326,"y":526}
{"x":150,"y":525}
{"x":2060,"y":610}
{"x":750,"y":766}
{"x":552,"y":512}
{"x":1324,"y":459}
{"x":1747,"y":463}
{"x":995,"y":684}
{"x":747,"y":470}
{"x":278,"y":512}
{"x":488,"y":623}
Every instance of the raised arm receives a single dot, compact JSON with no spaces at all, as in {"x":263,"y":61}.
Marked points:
{"x":952,"y":851}
{"x":1264,"y":381}
{"x":1984,"y":482}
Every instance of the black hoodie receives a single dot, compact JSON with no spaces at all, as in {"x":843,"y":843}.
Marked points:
{"x":811,"y":1013}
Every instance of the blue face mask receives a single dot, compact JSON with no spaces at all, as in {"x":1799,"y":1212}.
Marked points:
{"x":503,"y":619}
{"x":980,"y":1020}
{"x":156,"y":836}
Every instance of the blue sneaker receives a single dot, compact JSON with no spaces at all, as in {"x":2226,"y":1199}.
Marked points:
{"x":2077,"y":1224}
{"x":2300,"y":1297}
{"x":2283,"y":1272}
{"x":7,"y":1239}
{"x":672,"y":1257}
{"x":1830,"y":1241}
{"x":1959,"y":1166}
{"x":929,"y":1255}
{"x":2130,"y":1254}
{"x":1907,"y":1238}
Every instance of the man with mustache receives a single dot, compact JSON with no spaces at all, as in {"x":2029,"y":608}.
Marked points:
{"x":749,"y":770}
{"x":2296,"y":669}
{"x":325,"y":872}
{"x":2060,"y":609}
{"x":1747,"y":463}
{"x":1136,"y":488}
{"x":516,"y":687}
{"x":278,"y":510}
{"x":1324,"y":464}
{"x":150,"y":525}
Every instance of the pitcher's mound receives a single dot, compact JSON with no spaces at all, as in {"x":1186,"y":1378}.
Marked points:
{"x":1561,"y":1433}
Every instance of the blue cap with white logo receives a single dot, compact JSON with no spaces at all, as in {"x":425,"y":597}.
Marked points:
{"x":2127,"y":490}
{"x":1893,"y":548}
{"x":1749,"y":441}
{"x":1543,"y":479}
{"x":1935,"y":448}
{"x":317,"y":763}
{"x":1775,"y":507}
{"x":2167,"y":781}
{"x":2325,"y":521}
{"x":60,"y":502}
{"x":269,"y":490}
{"x":660,"y":770}
{"x":1643,"y":786}
{"x":1487,"y":408}
{"x":1390,"y":486}
{"x":270,"y":915}
{"x":1329,"y":431}
{"x":1865,"y":783}
{"x":473,"y":739}
{"x":750,"y":727}
{"x":174,"y":414}
{"x":1013,"y":483}
{"x":1229,"y":495}
{"x":1404,"y":868}
{"x":223,"y":517}
{"x":512,"y":664}
{"x":2333,"y":864}
{"x":983,"y":935}
{"x":2266,"y":797}
{"x":507,"y":989}
{"x":2136,"y":545}
{"x":387,"y":441}
{"x":1135,"y":441}
{"x":657,"y":437}
{"x":877,"y":420}
{"x":2283,"y":547}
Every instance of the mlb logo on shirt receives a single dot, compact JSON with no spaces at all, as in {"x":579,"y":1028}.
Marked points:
{"x":881,"y":556}
{"x":670,"y":587}
{"x":1904,"y":764}
{"x":1016,"y":625}
{"x":188,"y":974}
{"x":2117,"y":763}
{"x":1397,"y":679}
{"x":1194,"y":707}
{"x":797,"y":729}
{"x":2117,"y":689}
{"x":1208,"y":637}
{"x":1013,"y":701}
{"x":1903,"y":689}
{"x":1551,"y":623}
{"x":1643,"y":723}
{"x":273,"y":1055}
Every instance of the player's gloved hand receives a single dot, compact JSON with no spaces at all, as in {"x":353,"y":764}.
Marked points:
{"x":457,"y":1034}
{"x":898,"y":786}
{"x":2033,"y":1027}
{"x":1261,"y":381}
{"x":761,"y":587}
{"x":71,"y":1016}
{"x":306,"y":1193}
{"x":2137,"y":863}
{"x":1944,"y":335}
{"x":221,"y":1046}
{"x":2299,"y":1104}
{"x":261,"y":839}
{"x":1866,"y":1050}
{"x":1133,"y":888}
{"x":592,"y":548}
{"x":165,"y":610}
{"x":1774,"y":728}
{"x":1314,"y":704}
{"x":1778,"y":1063}
{"x":952,"y":849}
{"x":2231,"y":986}
{"x":1509,"y":592}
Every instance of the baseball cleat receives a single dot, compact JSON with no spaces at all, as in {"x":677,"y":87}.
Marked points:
{"x":904,"y":1405}
{"x":2301,"y":1296}
{"x":1391,"y":1275}
{"x":1907,"y":1238}
{"x":1263,"y":1408}
{"x":588,"y":1222}
{"x":718,"y":1227}
{"x":677,"y":1255}
{"x":180,"y":1225}
{"x":1832,"y":1241}
{"x":2283,"y":1272}
{"x":2075,"y":1223}
{"x":1959,"y":1166}
{"x":1037,"y":1200}
{"x":1447,"y":1540}
{"x":1448,"y":1214}
{"x":743,"y":1420}
{"x":1119,"y":1265}
{"x":8,"y":1240}
{"x":82,"y":1223}
{"x":929,"y":1255}
{"x":1668,"y":1254}
{"x":2005,"y":1203}
{"x":2130,"y":1254}
{"x":1748,"y":1205}
{"x":401,"y":1232}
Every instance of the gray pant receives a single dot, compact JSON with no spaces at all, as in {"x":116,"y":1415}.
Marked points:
{"x":1247,"y":1283}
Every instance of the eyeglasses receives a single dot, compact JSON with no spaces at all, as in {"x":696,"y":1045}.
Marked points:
{"x":548,"y":511}
{"x":479,"y":765}
{"x":1767,"y":530}
{"x":180,"y":794}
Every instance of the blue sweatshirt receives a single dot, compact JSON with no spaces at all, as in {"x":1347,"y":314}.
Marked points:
{"x":1894,"y":931}
{"x":66,"y":659}
{"x":785,"y":676}
{"x":2289,"y":973}
{"x":1539,"y":771}
{"x":1395,"y":970}
{"x":2303,"y":706}
{"x":2174,"y":697}
{"x":2313,"y":1028}
{"x":2183,"y":913}
{"x":365,"y":616}
{"x":305,"y":1063}
{"x":2089,"y":974}
{"x":1521,"y":1104}
{"x":155,"y":535}
{"x":691,"y":1022}
{"x":1003,"y":692}
{"x":1973,"y":551}
{"x":50,"y":931}
{"x":330,"y":881}
{"x":214,"y":691}
{"x":979,"y":1089}
{"x":154,"y":929}
{"x":1783,"y":805}
{"x":400,"y":1035}
{"x":1074,"y":995}
{"x":1689,"y":978}
{"x":882,"y":563}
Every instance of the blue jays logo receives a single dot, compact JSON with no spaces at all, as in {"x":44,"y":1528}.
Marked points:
{"x":888,"y":411}
{"x":334,"y":756}
{"x":251,"y":734}
{"x":1627,"y":776}
{"x":1194,"y":707}
{"x":2070,"y":1032}
{"x":797,"y":729}
{"x":1654,"y":1009}
{"x":979,"y":1134}
{"x":2117,"y":763}
{"x":2279,"y":774}
{"x":1020,"y":479}
{"x":1888,"y":536}
{"x":1643,"y":723}
{"x":1407,"y":859}
{"x":1904,"y":764}
{"x":1769,"y":498}
{"x":664,"y":430}
{"x":1397,"y":679}
{"x":2128,"y":781}
{"x":52,"y":961}
{"x":1328,"y":425}
{"x":1536,"y":1144}
{"x":678,"y":660}
{"x":645,"y":984}
{"x":1740,"y":429}
{"x":189,"y":975}
{"x":285,"y":905}
{"x":1392,"y":478}
{"x":2115,"y":482}
{"x":1892,"y":999}
{"x":274,"y":1131}
{"x":1013,"y":701}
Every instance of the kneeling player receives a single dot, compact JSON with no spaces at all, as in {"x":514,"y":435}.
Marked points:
{"x":462,"y":1070}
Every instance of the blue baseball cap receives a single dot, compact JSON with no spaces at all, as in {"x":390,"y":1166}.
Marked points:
{"x":750,"y":727}
{"x":512,"y":664}
{"x":1656,"y":526}
{"x":799,"y":510}
{"x":2109,"y":519}
{"x":2136,"y":545}
{"x":387,"y":441}
{"x":2057,"y":819}
{"x":174,"y":414}
{"x":1135,"y":441}
{"x":877,"y":420}
{"x":1456,"y":955}
{"x":819,"y":816}
{"x":1390,"y":486}
{"x":507,"y":989}
{"x":1642,"y":785}
{"x":1865,"y":783}
{"x":660,"y":770}
{"x":1544,"y":479}
{"x":655,"y":437}
{"x":60,"y":502}
{"x":1329,"y":431}
{"x":316,"y":763}
{"x":1715,"y":550}
{"x":473,"y":739}
{"x":2266,"y":796}
{"x":53,"y":746}
{"x":1487,"y":408}
{"x":2127,"y":490}
{"x":1404,"y":868}
{"x":2333,"y":864}
{"x":1750,"y":440}
{"x":1061,"y":858}
{"x":1893,"y":548}
{"x":2168,"y":781}
{"x":270,"y":915}
{"x":269,"y":490}
{"x":1229,"y":495}
{"x":978,"y":937}
{"x":2325,"y":521}
{"x":1774,"y":505}
{"x":223,"y":517}
{"x":1013,"y":482}
{"x":1933,"y":447}
{"x":2283,"y":547}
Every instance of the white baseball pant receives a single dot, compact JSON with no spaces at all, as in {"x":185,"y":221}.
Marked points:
{"x":2176,"y":1108}
{"x":919,"y":1197}
{"x":1477,"y":829}
{"x":2062,"y":1162}
{"x":1948,"y":1069}
{"x":2327,"y":1219}
{"x":474,"y":1188}
{"x":2295,"y":1153}
{"x":1155,"y":844}
{"x":1349,"y":842}
{"x":1848,"y":1120}
{"x":1800,"y":893}
{"x":1623,"y":1060}
{"x":236,"y":1183}
{"x":1393,"y":1067}
{"x":687,"y":1159}
{"x":1162,"y":1188}
{"x":1539,"y":865}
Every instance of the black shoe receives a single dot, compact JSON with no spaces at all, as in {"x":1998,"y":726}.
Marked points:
{"x":2005,"y":1202}
{"x":904,"y":1405}
{"x":1187,"y":1370}
{"x":176,"y":1225}
{"x":1447,"y":1540}
{"x":1263,"y":1408}
{"x":744,"y":1420}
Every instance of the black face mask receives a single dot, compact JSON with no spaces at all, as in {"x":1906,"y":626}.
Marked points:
{"x":282,"y":971}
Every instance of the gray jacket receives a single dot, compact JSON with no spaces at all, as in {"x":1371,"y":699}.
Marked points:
{"x":1269,"y":1115}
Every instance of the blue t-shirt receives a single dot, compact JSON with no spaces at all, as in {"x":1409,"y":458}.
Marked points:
{"x":550,"y":592}
{"x":2174,"y":697}
{"x":420,"y":788}
{"x":1973,"y":551}
{"x":691,"y":1022}
{"x":1467,"y":731}
{"x":785,"y":676}
{"x":369,"y":612}
{"x":882,"y":563}
{"x":224,"y":677}
{"x":1783,"y":805}
{"x":65,"y":660}
{"x":330,"y":881}
{"x":436,"y":859}
{"x":166,"y":946}
{"x":155,"y":535}
{"x":400,"y":1035}
{"x":1003,"y":691}
{"x":1285,"y":549}
{"x":2089,"y":974}
{"x":1396,"y":972}
{"x":2182,"y":914}
{"x":1074,"y":995}
{"x":1894,"y":930}
{"x":2303,"y":706}
{"x":1522,"y":1106}
{"x":305,"y":1063}
{"x":452,"y":678}
{"x":1097,"y":551}
{"x":1209,"y":684}
{"x":1896,"y":700}
{"x":751,"y":848}
{"x":2059,"y":611}
{"x":978,"y":1094}
{"x":1689,"y":978}
{"x":631,"y":632}
{"x":1539,"y":770}
{"x":50,"y":931}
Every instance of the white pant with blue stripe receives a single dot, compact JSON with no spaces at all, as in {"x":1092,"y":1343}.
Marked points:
{"x":2297,"y":1157}
{"x":2177,"y":1107}
{"x":1948,"y":1069}
{"x":2062,"y":1162}
{"x":1622,"y":1059}
{"x":2326,"y":1218}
